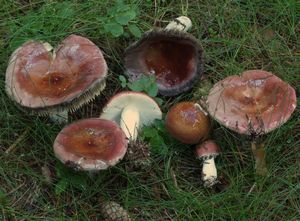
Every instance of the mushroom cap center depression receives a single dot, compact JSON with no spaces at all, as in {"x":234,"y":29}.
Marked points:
{"x":90,"y":143}
{"x":172,"y":62}
{"x":252,"y":99}
{"x":35,"y":78}
{"x":52,"y":79}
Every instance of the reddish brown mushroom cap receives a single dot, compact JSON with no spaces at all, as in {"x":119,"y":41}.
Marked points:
{"x":187,"y":123}
{"x":91,"y":144}
{"x":38,"y":80}
{"x":174,"y":57}
{"x":207,"y":149}
{"x":255,"y":101}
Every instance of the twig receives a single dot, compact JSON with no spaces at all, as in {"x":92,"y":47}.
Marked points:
{"x":19,"y":140}
{"x":251,"y":189}
{"x":174,"y":178}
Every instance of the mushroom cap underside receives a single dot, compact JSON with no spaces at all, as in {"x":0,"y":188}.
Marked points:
{"x":174,"y":57}
{"x":147,"y":108}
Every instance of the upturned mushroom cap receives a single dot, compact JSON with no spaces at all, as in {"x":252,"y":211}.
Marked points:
{"x":187,"y":123}
{"x":207,"y":149}
{"x":147,"y":108}
{"x":173,"y":56}
{"x":43,"y":82}
{"x":255,"y":102}
{"x":91,"y":144}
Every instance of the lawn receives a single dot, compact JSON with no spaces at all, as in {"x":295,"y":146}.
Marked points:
{"x":235,"y":35}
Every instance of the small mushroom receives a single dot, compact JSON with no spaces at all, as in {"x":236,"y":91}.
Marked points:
{"x":207,"y":151}
{"x":187,"y":122}
{"x":91,"y":144}
{"x":46,"y":81}
{"x":171,"y":54}
{"x":131,"y":110}
{"x":254,"y":103}
{"x":181,"y":23}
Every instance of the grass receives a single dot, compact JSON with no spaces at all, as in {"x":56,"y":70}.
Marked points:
{"x":236,"y":36}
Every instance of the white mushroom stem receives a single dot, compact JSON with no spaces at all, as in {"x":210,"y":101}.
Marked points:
{"x":181,"y":23}
{"x":129,"y":122}
{"x":209,"y":171}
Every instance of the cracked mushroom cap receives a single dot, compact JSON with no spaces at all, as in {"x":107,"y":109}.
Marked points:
{"x":43,"y":82}
{"x":254,"y":102}
{"x":91,"y":144}
{"x":186,"y":122}
{"x":207,"y":148}
{"x":147,"y":108}
{"x":174,"y":57}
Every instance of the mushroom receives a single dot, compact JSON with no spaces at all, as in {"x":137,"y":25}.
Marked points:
{"x":207,"y":151}
{"x":131,"y":110}
{"x":91,"y":144}
{"x":187,"y":122}
{"x":171,"y":54}
{"x":44,"y":81}
{"x":254,"y":103}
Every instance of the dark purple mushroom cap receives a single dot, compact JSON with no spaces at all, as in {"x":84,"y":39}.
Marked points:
{"x":174,"y":57}
{"x":255,"y":101}
{"x":43,"y":82}
{"x":91,"y":144}
{"x":207,"y":148}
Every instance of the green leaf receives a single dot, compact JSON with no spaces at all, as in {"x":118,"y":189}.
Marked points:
{"x":78,"y":181}
{"x":135,"y":30}
{"x":158,"y":100}
{"x":160,"y":125}
{"x":69,"y":177}
{"x":61,"y":186}
{"x":114,"y":28}
{"x":152,"y":90}
{"x":135,"y":86}
{"x":125,"y":17}
{"x":158,"y":145}
{"x":149,"y":132}
{"x":123,"y":81}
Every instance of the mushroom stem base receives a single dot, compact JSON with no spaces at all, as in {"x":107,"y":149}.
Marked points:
{"x":60,"y":118}
{"x":209,"y":172}
{"x":259,"y":154}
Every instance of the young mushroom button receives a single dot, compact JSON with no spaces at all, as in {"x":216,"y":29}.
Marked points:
{"x":91,"y":144}
{"x":131,"y":110}
{"x":207,"y":151}
{"x":46,"y":81}
{"x":187,"y":122}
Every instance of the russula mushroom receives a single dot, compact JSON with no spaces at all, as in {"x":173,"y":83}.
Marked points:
{"x":172,"y":55}
{"x":131,"y":110}
{"x":44,"y":81}
{"x":91,"y":144}
{"x":187,"y":122}
{"x":207,"y":151}
{"x":254,"y":103}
